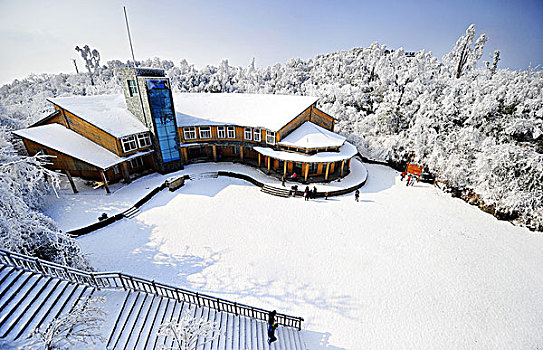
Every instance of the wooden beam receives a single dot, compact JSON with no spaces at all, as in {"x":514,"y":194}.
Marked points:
{"x":342,"y":164}
{"x":214,"y":153}
{"x":269,"y":163}
{"x":241,"y":153}
{"x":285,"y":168}
{"x":71,"y":180}
{"x":106,"y":185}
{"x":126,"y":174}
{"x":259,"y":160}
{"x":327,"y":170}
{"x":306,"y":171}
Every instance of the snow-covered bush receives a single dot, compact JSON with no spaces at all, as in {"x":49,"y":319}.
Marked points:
{"x":79,"y":326}
{"x":186,"y":331}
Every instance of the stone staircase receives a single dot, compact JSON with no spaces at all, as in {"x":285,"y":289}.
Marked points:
{"x":276,"y":191}
{"x":29,"y":299}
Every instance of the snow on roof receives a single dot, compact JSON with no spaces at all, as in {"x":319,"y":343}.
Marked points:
{"x":61,"y":139}
{"x":107,"y":112}
{"x":347,"y":151}
{"x":256,"y":110}
{"x":309,"y":135}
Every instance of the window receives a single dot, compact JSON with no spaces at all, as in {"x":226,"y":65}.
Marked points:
{"x":258,"y":135}
{"x":248,"y":134}
{"x":231,"y":132}
{"x":116,"y":170}
{"x":144,"y":140}
{"x":129,"y":143}
{"x":136,"y":163}
{"x":270,"y":137}
{"x":220,"y":132}
{"x":205,"y":132}
{"x":132,"y":88}
{"x":190,"y":133}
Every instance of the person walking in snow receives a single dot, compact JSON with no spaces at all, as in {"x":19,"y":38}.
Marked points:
{"x":314,"y":194}
{"x":408,"y":180}
{"x":326,"y":195}
{"x":306,"y":193}
{"x":403,"y":175}
{"x":283,"y":180}
{"x":272,"y":326}
{"x":356,"y":195}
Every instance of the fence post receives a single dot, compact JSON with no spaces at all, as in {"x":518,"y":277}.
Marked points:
{"x":236,"y":308}
{"x":218,"y":305}
{"x":154,"y":286}
{"x":122,"y":281}
{"x":38,"y":265}
{"x":67,"y":274}
{"x":95,"y":281}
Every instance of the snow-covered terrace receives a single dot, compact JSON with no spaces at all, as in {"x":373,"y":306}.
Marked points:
{"x":70,"y":143}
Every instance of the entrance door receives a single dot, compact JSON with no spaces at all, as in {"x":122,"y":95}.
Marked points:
{"x":298,"y":168}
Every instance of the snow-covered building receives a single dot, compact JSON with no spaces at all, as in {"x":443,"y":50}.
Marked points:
{"x":112,"y":137}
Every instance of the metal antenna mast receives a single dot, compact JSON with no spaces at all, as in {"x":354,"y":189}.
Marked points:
{"x":129,"y":36}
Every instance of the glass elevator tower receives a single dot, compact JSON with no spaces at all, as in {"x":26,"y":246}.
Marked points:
{"x":148,"y":96}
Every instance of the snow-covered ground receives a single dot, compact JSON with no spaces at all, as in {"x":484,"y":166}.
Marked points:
{"x":403,"y":268}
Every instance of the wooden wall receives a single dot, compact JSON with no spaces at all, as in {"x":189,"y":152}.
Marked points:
{"x":322,"y":119}
{"x":62,"y":161}
{"x":293,"y":124}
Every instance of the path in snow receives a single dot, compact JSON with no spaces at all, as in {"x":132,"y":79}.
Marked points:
{"x":403,"y":268}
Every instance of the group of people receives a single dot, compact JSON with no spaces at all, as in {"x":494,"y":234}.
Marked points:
{"x":310,"y":194}
{"x":411,"y":179}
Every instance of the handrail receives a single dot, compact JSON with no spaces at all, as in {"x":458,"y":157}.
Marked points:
{"x":118,"y":280}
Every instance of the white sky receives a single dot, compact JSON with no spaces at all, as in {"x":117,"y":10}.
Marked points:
{"x":40,"y":36}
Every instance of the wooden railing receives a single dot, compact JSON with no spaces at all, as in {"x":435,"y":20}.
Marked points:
{"x":119,"y":280}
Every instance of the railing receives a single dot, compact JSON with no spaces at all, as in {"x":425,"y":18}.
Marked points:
{"x":127,"y":282}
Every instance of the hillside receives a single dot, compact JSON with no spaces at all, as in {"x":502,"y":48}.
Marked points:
{"x":478,"y":130}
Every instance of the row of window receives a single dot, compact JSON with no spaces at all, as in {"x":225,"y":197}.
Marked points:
{"x":133,"y":142}
{"x":227,"y":132}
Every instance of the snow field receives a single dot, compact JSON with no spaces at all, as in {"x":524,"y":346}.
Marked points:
{"x":403,"y":268}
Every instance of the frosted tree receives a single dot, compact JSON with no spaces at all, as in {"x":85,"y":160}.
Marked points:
{"x":91,"y":58}
{"x":81,"y":325}
{"x":494,"y":65}
{"x":466,"y":53}
{"x":187,"y":331}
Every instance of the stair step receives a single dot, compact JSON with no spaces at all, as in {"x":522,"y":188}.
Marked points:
{"x":280,"y":192}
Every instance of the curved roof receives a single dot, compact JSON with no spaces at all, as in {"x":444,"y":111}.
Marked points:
{"x":309,"y":135}
{"x":347,"y":151}
{"x":255,"y":110}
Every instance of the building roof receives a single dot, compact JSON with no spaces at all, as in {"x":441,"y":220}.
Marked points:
{"x":109,"y":112}
{"x":309,"y":135}
{"x":255,"y":110}
{"x":106,"y":112}
{"x":347,"y":151}
{"x":66,"y":141}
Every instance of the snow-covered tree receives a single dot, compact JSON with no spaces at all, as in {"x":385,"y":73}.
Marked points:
{"x":466,"y":53}
{"x":79,"y":326}
{"x":187,"y":331}
{"x":92,"y":60}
